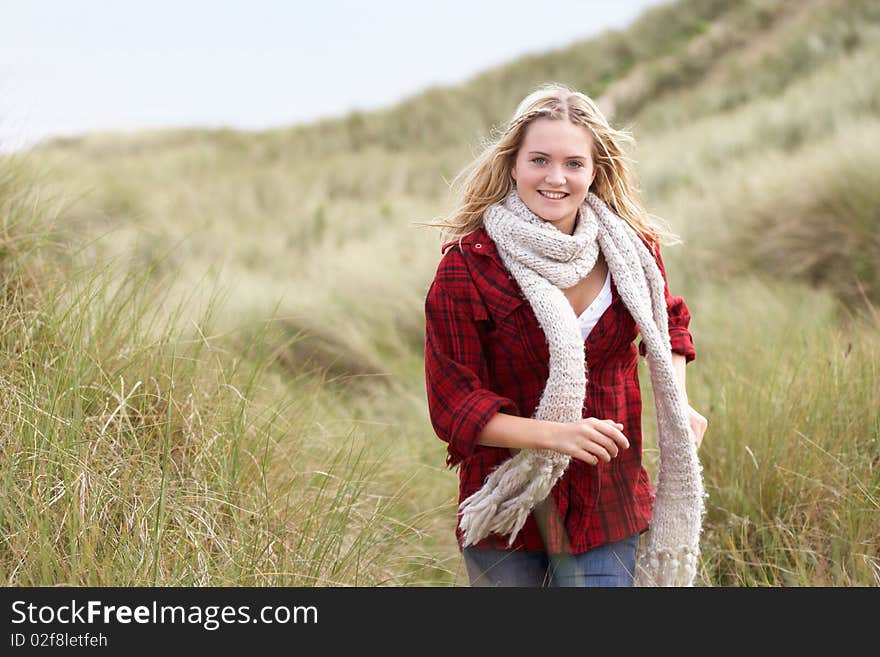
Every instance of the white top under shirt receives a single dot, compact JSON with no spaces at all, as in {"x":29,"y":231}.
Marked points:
{"x":590,"y":317}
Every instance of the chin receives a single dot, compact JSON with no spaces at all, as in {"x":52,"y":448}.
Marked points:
{"x":559,"y":215}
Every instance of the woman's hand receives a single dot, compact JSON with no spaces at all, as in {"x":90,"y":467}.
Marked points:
{"x":589,"y":440}
{"x":697,"y":422}
{"x":698,"y":425}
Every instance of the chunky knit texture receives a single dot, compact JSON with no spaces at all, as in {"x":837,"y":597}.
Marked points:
{"x":544,"y":261}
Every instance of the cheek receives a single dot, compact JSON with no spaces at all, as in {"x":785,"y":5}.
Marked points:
{"x":522,"y":173}
{"x":526,"y":178}
{"x":587,"y":180}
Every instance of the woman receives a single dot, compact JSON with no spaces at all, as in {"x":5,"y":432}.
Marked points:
{"x":531,"y":369}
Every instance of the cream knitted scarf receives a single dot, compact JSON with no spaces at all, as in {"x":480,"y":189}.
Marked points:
{"x":544,"y":260}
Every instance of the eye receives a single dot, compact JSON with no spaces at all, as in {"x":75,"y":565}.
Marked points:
{"x":577,"y":164}
{"x":535,"y":160}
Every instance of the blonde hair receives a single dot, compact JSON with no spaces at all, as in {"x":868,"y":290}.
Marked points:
{"x":487,"y":179}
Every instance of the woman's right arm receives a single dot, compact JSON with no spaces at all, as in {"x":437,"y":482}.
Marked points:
{"x":460,"y":402}
{"x":589,"y":440}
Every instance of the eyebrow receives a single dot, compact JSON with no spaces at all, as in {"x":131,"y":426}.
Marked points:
{"x":569,"y":157}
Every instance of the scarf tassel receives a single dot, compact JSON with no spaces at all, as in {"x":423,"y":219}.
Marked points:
{"x":511,"y":491}
{"x":665,"y":567}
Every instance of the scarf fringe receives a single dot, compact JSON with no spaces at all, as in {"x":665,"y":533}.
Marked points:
{"x":509,"y":494}
{"x":667,"y":567}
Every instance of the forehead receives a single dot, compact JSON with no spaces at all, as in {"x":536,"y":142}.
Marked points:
{"x":557,"y":137}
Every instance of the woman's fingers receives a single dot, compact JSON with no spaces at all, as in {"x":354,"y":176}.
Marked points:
{"x":597,"y":439}
{"x":698,"y":425}
{"x":606,"y":445}
{"x":588,"y":458}
{"x":612,"y":429}
{"x":599,"y":450}
{"x":698,"y":431}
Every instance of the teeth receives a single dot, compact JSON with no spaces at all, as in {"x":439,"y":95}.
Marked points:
{"x":555,"y":195}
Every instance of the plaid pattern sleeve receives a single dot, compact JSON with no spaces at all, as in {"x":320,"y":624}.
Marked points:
{"x":680,"y":337}
{"x":459,"y":402}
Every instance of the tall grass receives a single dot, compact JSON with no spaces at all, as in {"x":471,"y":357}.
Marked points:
{"x":791,"y":453}
{"x":140,"y":451}
{"x":821,"y":224}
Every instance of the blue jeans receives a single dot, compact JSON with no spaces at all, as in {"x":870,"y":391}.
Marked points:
{"x":612,"y":564}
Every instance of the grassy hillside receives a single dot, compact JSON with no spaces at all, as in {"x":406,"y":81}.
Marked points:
{"x":213,"y":340}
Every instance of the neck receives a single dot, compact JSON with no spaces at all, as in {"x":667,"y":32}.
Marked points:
{"x":567,"y":225}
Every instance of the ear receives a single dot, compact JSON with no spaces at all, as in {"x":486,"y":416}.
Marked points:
{"x":513,"y":172}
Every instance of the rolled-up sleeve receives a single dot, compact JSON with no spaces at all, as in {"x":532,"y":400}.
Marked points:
{"x":680,"y":338}
{"x":459,"y":402}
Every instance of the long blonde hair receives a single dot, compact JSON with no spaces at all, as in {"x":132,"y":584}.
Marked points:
{"x":487,"y":179}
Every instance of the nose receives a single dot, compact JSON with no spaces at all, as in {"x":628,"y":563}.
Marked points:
{"x":555,"y":176}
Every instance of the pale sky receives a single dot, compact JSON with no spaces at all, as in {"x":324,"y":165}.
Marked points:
{"x":74,"y":66}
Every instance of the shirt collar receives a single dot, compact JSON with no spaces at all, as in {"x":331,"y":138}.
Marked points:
{"x":478,"y":242}
{"x":504,"y":293}
{"x":499,"y":290}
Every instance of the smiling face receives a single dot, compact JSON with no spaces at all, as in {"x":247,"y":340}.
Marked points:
{"x":554,"y":169}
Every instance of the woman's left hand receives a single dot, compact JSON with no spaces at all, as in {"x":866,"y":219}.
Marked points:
{"x":698,"y":425}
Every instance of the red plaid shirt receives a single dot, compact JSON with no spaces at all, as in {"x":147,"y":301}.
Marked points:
{"x":485,"y":352}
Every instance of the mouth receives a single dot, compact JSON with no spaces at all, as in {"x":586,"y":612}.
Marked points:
{"x":553,"y":196}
